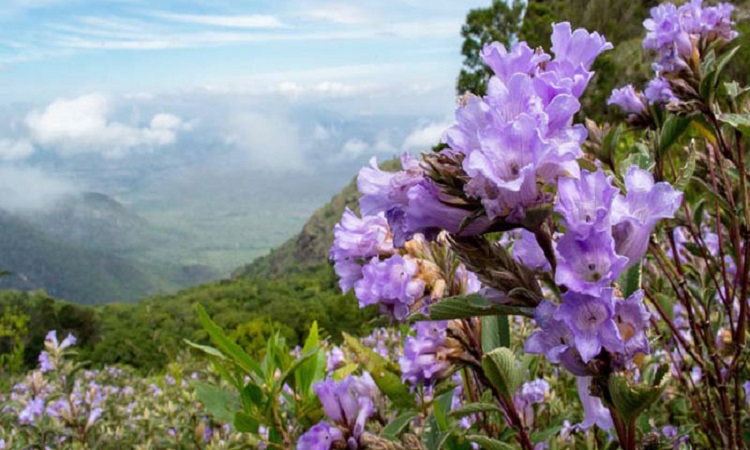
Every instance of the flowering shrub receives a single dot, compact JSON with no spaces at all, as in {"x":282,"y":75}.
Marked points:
{"x":62,"y":405}
{"x":535,"y":252}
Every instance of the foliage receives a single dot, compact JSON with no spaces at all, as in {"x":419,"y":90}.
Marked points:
{"x":498,"y":23}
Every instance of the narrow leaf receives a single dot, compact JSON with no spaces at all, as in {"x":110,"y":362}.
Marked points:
{"x":475,"y":408}
{"x":473,"y":305}
{"x":396,"y":426}
{"x":489,"y":443}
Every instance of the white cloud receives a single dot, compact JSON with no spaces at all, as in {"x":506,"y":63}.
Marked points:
{"x":246,"y":21}
{"x":425,"y":136}
{"x":356,"y":147}
{"x":11,"y":150}
{"x":26,"y":188}
{"x":343,"y":14}
{"x":267,"y":141}
{"x":321,"y":133}
{"x":82,"y":125}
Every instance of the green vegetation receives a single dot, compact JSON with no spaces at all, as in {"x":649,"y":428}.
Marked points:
{"x":150,"y":333}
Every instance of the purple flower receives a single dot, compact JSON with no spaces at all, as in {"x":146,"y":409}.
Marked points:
{"x":336,"y":359}
{"x":631,"y":317}
{"x":348,"y":403}
{"x":520,"y":59}
{"x":585,"y":203}
{"x":529,"y":253}
{"x":553,"y":338}
{"x":423,"y":361}
{"x":577,"y":48}
{"x":591,"y":321}
{"x":659,"y":91}
{"x":45,"y":364}
{"x":673,"y":32}
{"x":530,"y":393}
{"x":320,"y":437}
{"x":594,"y":412}
{"x":392,"y":284}
{"x":635,"y":215}
{"x":590,"y":264}
{"x":630,"y":101}
{"x":387,"y":192}
{"x":429,"y":213}
{"x":32,"y":412}
{"x":356,"y":239}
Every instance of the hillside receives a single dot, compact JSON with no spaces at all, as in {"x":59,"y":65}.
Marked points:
{"x":37,"y":261}
{"x":309,"y":248}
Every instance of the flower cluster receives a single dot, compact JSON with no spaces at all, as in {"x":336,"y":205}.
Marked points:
{"x":679,"y":36}
{"x":59,"y":406}
{"x":348,"y":404}
{"x":424,"y":360}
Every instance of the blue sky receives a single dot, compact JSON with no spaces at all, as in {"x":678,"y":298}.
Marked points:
{"x":53,"y":48}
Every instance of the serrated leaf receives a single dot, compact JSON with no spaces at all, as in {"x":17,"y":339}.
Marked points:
{"x":473,"y":305}
{"x":220,"y":403}
{"x":396,"y":426}
{"x":500,"y":368}
{"x":495,"y":333}
{"x":630,"y":281}
{"x":387,"y":380}
{"x":489,"y":443}
{"x":475,"y":408}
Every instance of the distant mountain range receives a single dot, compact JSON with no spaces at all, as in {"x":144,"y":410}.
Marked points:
{"x":88,"y":248}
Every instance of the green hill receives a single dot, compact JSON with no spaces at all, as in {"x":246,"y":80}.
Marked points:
{"x":37,"y":261}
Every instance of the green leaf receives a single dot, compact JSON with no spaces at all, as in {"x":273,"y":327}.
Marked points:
{"x":495,"y":333}
{"x":244,"y":423}
{"x":206,"y":349}
{"x":251,"y":395}
{"x":686,"y":174}
{"x":545,"y":435}
{"x":473,"y":305}
{"x":433,"y":438}
{"x":721,"y":63}
{"x":489,"y":443}
{"x":313,"y":369}
{"x":475,"y":408}
{"x":441,"y":407}
{"x":385,"y":377}
{"x":229,"y":347}
{"x":291,"y":370}
{"x":630,"y":281}
{"x":674,"y":127}
{"x":396,"y":426}
{"x":737,"y":121}
{"x":500,"y":367}
{"x":220,"y":403}
{"x":631,"y":401}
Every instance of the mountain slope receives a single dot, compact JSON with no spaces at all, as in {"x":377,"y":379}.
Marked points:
{"x":37,"y":261}
{"x":309,"y":248}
